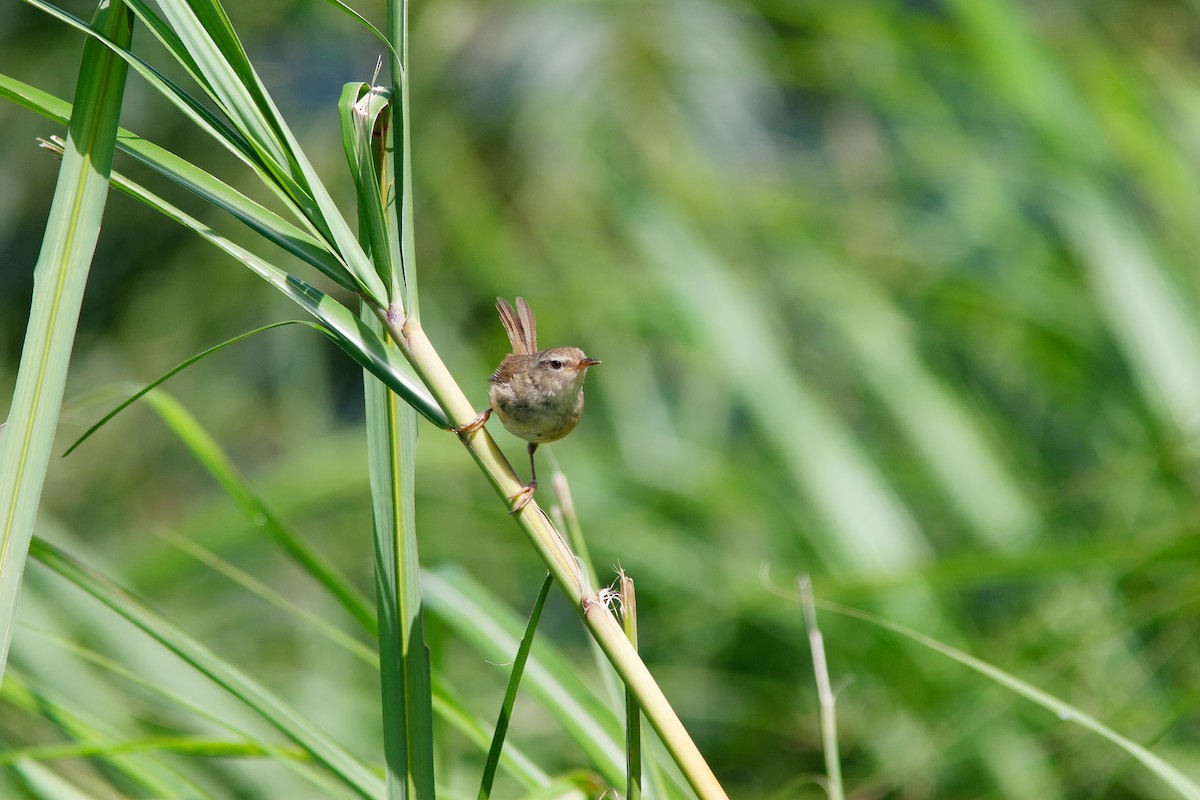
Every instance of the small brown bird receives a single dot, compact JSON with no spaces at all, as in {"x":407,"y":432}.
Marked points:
{"x":538,"y":394}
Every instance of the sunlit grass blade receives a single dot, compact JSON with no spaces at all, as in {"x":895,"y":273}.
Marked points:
{"x":633,"y":713}
{"x":1148,"y":316}
{"x":510,"y":692}
{"x":404,"y":659}
{"x":167,"y":375}
{"x":867,"y":527}
{"x":347,"y":331}
{"x":254,"y":215}
{"x":211,"y":42}
{"x":60,"y":277}
{"x":825,"y":695}
{"x":213,"y":458}
{"x":514,"y":762}
{"x":348,"y":769}
{"x":45,"y":783}
{"x":134,"y":771}
{"x":495,"y":631}
{"x":293,"y":759}
{"x":269,"y":595}
{"x":276,"y":158}
{"x":1066,"y":712}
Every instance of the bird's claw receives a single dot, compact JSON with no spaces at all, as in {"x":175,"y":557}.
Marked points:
{"x":522,"y":498}
{"x":466,"y":430}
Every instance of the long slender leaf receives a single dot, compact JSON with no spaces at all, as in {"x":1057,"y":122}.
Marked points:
{"x":1169,"y":774}
{"x":495,"y":631}
{"x":405,"y":677}
{"x":510,"y":692}
{"x":59,"y":280}
{"x":209,"y":39}
{"x":257,"y":217}
{"x":127,"y":402}
{"x":348,"y":332}
{"x":352,"y":772}
{"x":206,"y":450}
{"x":133,"y":773}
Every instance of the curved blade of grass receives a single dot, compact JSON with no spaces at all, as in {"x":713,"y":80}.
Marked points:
{"x":510,"y":692}
{"x":1170,"y":775}
{"x":364,"y":112}
{"x":352,"y":772}
{"x":494,"y":630}
{"x":206,"y":119}
{"x":295,"y":761}
{"x":168,"y":374}
{"x":515,"y":763}
{"x":205,"y":31}
{"x":868,"y":529}
{"x":60,"y":277}
{"x":405,"y":680}
{"x":361,"y":20}
{"x":445,"y":702}
{"x":291,"y":758}
{"x":42,"y":782}
{"x":150,"y":776}
{"x":210,"y":455}
{"x":313,"y":206}
{"x":348,"y":332}
{"x":257,"y":217}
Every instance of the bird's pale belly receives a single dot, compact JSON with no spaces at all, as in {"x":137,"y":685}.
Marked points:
{"x":536,"y":422}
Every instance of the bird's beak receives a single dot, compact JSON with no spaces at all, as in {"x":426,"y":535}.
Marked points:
{"x":588,"y":362}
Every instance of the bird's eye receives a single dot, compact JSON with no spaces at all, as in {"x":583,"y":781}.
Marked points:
{"x":556,"y":364}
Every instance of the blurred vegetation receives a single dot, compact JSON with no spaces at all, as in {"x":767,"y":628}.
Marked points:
{"x":901,"y":295}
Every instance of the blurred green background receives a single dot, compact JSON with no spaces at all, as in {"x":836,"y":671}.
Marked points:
{"x":900,"y":295}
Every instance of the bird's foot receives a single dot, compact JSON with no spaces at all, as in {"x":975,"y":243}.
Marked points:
{"x":522,"y":498}
{"x":466,"y":430}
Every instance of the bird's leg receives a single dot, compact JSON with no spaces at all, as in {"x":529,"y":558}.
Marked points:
{"x":522,"y":498}
{"x":472,"y":426}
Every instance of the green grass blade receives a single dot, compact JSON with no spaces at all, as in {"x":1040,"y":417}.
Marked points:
{"x":404,"y":659}
{"x":286,"y":172}
{"x":205,"y":31}
{"x":351,"y":334}
{"x":494,"y":630}
{"x":364,"y":113}
{"x":43,"y":782}
{"x":149,"y":776}
{"x":633,"y":712}
{"x":1066,"y":712}
{"x":515,"y":763}
{"x":60,"y":277}
{"x":868,"y":529}
{"x":168,"y":374}
{"x":210,"y":455}
{"x":254,"y":215}
{"x":401,"y":165}
{"x":348,"y":769}
{"x":510,"y":692}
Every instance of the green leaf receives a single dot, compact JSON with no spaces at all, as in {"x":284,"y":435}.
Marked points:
{"x":1064,"y":711}
{"x":347,"y":331}
{"x":59,"y":280}
{"x":348,"y":769}
{"x":403,"y":657}
{"x":510,"y":692}
{"x":210,"y":455}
